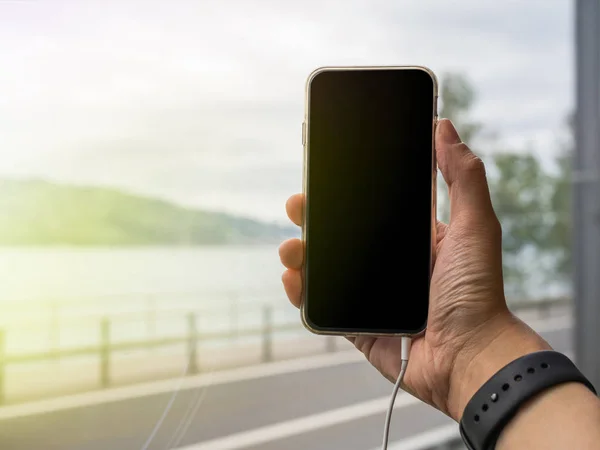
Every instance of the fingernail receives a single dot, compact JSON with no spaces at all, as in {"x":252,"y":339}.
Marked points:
{"x":448,"y":132}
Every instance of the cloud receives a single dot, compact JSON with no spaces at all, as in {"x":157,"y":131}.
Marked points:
{"x":201,"y":102}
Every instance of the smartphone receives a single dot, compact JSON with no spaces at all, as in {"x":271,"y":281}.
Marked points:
{"x":370,"y":189}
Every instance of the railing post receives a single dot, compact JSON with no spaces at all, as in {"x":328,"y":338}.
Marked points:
{"x":104,"y":352}
{"x":267,"y":341}
{"x":2,"y":366}
{"x":192,"y":344}
{"x":330,"y":344}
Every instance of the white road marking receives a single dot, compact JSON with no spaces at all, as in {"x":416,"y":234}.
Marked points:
{"x":196,"y":381}
{"x":214,"y":378}
{"x":427,"y":439}
{"x":302,"y":425}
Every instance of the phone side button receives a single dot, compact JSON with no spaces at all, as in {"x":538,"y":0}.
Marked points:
{"x":303,"y":133}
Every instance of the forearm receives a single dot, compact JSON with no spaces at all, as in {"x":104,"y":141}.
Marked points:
{"x":566,"y":416}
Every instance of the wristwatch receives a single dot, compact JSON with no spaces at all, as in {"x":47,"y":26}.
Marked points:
{"x":499,"y":399}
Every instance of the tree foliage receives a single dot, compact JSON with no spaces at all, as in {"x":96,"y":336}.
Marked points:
{"x":457,"y":98}
{"x":521,"y":191}
{"x":559,"y":236}
{"x":531,"y":196}
{"x":40,"y":213}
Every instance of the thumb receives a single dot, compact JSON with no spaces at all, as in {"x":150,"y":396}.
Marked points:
{"x":464,"y":173}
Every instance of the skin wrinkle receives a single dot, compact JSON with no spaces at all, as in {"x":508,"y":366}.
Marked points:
{"x":460,"y":341}
{"x":471,"y":360}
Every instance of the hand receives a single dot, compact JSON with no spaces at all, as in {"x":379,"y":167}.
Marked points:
{"x":471,"y":333}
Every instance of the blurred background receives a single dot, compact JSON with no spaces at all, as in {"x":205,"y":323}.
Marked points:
{"x":146,"y":153}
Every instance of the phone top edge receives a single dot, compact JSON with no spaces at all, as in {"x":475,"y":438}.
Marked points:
{"x":322,"y":69}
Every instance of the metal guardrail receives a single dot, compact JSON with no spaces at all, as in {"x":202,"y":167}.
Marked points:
{"x":191,"y":338}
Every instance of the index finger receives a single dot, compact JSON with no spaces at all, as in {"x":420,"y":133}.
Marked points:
{"x":295,"y":208}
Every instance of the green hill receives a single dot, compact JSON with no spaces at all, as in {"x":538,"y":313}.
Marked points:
{"x":37,"y":212}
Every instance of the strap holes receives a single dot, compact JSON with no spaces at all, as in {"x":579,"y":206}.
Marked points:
{"x":505,"y":386}
{"x":484,"y":407}
{"x":544,"y":365}
{"x":518,"y":378}
{"x":531,"y":370}
{"x":476,"y":418}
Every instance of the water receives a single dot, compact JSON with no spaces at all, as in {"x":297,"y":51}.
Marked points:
{"x":69,"y":273}
{"x":56,"y":296}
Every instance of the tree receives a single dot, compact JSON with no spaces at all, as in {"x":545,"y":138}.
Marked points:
{"x":532,"y":202}
{"x":558,"y":240}
{"x":521,"y":191}
{"x":457,"y":98}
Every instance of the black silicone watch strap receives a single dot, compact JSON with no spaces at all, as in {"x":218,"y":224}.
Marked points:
{"x":498,"y":400}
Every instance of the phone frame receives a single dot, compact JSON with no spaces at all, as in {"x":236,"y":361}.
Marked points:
{"x":305,"y":175}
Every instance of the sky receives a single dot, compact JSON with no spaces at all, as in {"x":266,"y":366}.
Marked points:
{"x":201,"y":102}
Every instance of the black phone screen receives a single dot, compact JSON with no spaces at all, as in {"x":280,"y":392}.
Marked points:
{"x":369,"y":200}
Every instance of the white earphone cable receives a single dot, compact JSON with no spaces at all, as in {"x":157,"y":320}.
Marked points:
{"x":404,"y":354}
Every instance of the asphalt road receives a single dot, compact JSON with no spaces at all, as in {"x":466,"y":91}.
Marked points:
{"x":301,"y":410}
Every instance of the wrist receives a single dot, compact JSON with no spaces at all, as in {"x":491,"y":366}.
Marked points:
{"x":502,"y":340}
